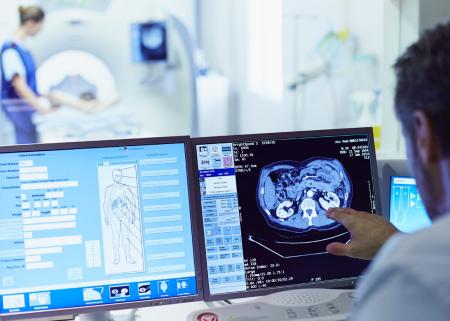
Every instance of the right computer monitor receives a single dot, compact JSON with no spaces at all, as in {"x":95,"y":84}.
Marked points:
{"x":264,"y":200}
{"x":407,"y":211}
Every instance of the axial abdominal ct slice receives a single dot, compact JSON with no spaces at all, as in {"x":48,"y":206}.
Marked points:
{"x":294,"y":196}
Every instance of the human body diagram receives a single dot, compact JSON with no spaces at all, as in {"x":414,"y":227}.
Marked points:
{"x":122,"y":220}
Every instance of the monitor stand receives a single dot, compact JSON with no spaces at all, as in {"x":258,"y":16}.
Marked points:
{"x":95,"y":316}
{"x":107,"y":316}
{"x":57,"y":318}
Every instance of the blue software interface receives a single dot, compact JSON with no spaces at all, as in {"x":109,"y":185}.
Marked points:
{"x":94,"y":226}
{"x":407,"y":211}
{"x":264,"y":204}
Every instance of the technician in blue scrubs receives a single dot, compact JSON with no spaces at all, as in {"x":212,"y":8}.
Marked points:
{"x":19,"y":95}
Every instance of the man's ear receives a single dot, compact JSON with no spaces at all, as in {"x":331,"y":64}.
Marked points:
{"x":425,"y":138}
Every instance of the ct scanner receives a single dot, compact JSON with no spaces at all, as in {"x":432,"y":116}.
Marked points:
{"x":152,"y":99}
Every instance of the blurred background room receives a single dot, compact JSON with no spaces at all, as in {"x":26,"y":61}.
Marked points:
{"x":107,"y":69}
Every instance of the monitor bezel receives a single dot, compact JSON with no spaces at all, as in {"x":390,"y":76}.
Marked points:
{"x":338,"y":283}
{"x":194,"y":212}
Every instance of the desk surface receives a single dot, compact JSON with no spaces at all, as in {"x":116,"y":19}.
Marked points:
{"x":173,"y":312}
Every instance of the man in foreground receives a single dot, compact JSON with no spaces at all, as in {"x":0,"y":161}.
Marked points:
{"x":410,"y":276}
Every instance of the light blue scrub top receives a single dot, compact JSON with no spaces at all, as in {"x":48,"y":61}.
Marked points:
{"x":409,"y":279}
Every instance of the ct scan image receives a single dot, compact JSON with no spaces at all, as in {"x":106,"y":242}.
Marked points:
{"x":284,"y":189}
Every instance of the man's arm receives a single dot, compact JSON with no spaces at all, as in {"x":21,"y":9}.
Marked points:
{"x":395,"y":295}
{"x":368,"y":232}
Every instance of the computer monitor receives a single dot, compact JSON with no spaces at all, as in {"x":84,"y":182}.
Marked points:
{"x":387,"y":168}
{"x":263,"y":200}
{"x":149,"y":42}
{"x":96,"y":226}
{"x":397,"y":185}
{"x":407,"y":211}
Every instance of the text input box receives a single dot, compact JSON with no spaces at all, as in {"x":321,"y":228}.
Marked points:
{"x":166,"y":256}
{"x":165,"y":229}
{"x":33,"y":177}
{"x":51,"y":219}
{"x":57,"y":194}
{"x":157,"y":196}
{"x":167,"y":268}
{"x":39,"y":265}
{"x":165,"y":183}
{"x":26,"y":163}
{"x":51,"y":226}
{"x":33,"y":170}
{"x":27,"y":235}
{"x":161,"y":172}
{"x":159,"y":161}
{"x":164,"y":207}
{"x":160,"y":219}
{"x":173,"y":240}
{"x":33,"y":258}
{"x":45,"y":250}
{"x":60,"y":241}
{"x":48,"y":185}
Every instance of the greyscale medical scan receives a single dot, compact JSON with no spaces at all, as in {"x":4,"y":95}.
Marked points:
{"x":265,"y":201}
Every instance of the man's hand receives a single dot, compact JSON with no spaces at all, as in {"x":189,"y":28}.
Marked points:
{"x":368,"y":232}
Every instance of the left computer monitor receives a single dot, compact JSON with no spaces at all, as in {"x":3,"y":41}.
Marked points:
{"x":96,"y":226}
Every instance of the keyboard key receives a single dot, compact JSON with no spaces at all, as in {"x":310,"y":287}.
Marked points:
{"x":231,"y":268}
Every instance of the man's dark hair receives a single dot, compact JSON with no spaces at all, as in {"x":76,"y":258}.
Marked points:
{"x":423,"y":83}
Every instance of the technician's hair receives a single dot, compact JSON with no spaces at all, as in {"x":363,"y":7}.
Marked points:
{"x":423,"y":83}
{"x":31,"y":13}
